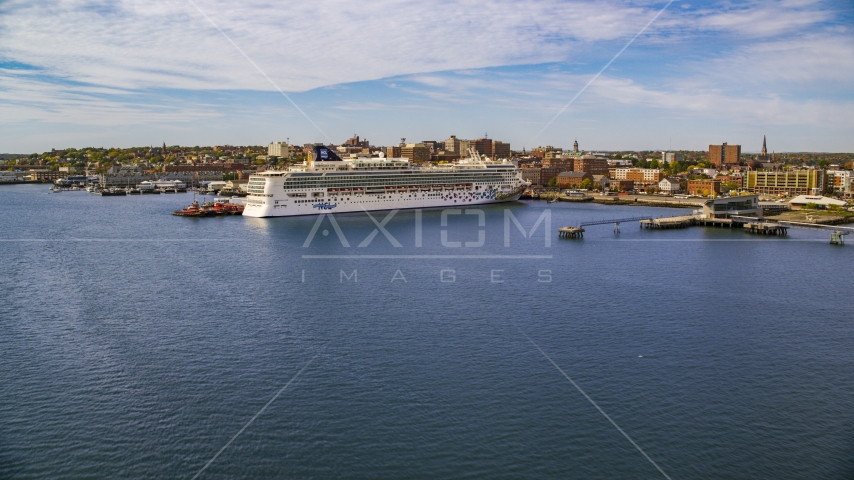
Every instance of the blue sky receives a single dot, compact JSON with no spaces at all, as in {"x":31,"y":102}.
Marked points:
{"x":76,"y":73}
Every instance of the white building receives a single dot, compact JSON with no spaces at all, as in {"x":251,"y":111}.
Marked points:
{"x":820,"y":201}
{"x":840,"y":181}
{"x":279,"y":149}
{"x":725,"y":207}
{"x":669,"y":185}
{"x":9,"y":176}
{"x":619,"y":163}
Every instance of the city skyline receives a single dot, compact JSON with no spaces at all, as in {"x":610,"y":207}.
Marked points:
{"x":81,"y":73}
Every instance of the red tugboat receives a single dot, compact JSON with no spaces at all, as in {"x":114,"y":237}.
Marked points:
{"x":224,"y":207}
{"x":210,"y":209}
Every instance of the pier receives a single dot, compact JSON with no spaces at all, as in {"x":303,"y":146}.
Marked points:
{"x":754,"y":225}
{"x":765,"y":228}
{"x":570,"y":232}
{"x":685,"y":221}
{"x":668,"y":222}
{"x":578,"y":230}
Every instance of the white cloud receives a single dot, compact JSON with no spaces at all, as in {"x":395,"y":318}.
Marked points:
{"x":103,"y":63}
{"x":29,"y":99}
{"x":762,"y":19}
{"x":809,"y":58}
{"x":301,"y":45}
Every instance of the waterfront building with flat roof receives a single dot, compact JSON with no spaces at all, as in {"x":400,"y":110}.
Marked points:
{"x":725,"y":207}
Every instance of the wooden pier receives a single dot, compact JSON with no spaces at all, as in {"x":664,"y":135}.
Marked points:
{"x":685,"y":221}
{"x":765,"y":228}
{"x":750,"y":225}
{"x":570,"y":232}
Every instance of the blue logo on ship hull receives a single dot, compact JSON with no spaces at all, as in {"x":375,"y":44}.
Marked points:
{"x":325,"y":206}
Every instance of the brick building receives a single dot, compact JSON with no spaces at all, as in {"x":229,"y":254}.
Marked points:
{"x":641,"y":176}
{"x":623,"y":185}
{"x":572,"y":179}
{"x":501,"y":149}
{"x":567,"y":163}
{"x":483,"y":146}
{"x":724,"y":154}
{"x":415,"y":152}
{"x":704,"y":187}
{"x":590,"y":164}
{"x":738,"y":180}
{"x":392,"y":152}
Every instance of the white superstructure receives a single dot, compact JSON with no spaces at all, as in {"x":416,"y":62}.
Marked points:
{"x":328,"y":184}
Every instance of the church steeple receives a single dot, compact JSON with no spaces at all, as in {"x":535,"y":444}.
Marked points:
{"x":764,"y":148}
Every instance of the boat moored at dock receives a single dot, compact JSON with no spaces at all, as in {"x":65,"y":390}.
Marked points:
{"x":328,"y":184}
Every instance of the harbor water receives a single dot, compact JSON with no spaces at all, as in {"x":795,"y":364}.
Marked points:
{"x":469,"y":343}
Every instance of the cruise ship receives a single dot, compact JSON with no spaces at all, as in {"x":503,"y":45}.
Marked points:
{"x":327,"y":183}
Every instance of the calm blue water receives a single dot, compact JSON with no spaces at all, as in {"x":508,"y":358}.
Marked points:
{"x":137,"y":344}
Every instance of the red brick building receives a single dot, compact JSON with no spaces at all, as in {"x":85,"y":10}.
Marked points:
{"x":567,"y":164}
{"x":724,"y":154}
{"x":704,"y":187}
{"x":572,"y":179}
{"x":590,"y":164}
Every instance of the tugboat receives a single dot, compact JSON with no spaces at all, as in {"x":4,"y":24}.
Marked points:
{"x":210,"y":209}
{"x":194,"y":210}
{"x":223,"y":206}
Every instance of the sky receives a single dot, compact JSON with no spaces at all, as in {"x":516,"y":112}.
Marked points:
{"x":122,"y":73}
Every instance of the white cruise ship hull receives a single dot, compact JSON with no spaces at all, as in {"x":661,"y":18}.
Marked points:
{"x":328,"y":184}
{"x":366,"y":202}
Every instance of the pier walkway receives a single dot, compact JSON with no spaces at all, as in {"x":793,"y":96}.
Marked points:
{"x":755,"y":225}
{"x":578,"y":230}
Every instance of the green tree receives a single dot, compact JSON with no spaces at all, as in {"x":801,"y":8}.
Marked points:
{"x":586,"y":184}
{"x":553,"y":182}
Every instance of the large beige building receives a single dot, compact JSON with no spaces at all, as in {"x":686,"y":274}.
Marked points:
{"x":483,"y":146}
{"x":279,"y":149}
{"x":415,"y":152}
{"x":452,"y":144}
{"x":790,"y":182}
